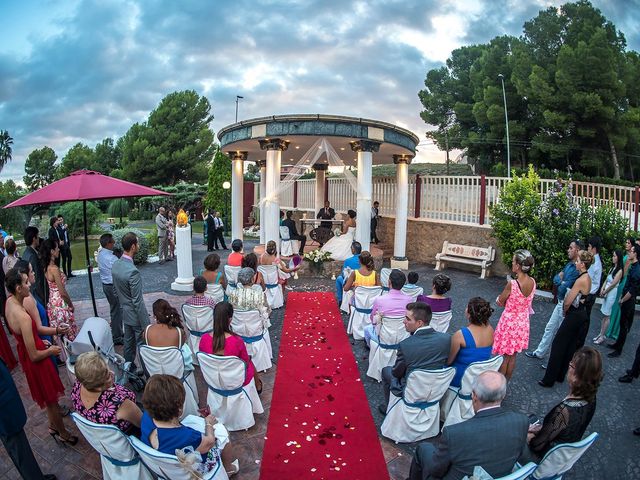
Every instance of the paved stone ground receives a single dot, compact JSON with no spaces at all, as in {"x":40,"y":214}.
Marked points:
{"x":612,"y":456}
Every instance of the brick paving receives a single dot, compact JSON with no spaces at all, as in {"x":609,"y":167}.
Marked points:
{"x":612,"y":456}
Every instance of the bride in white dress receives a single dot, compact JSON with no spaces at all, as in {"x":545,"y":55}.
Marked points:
{"x":340,"y":247}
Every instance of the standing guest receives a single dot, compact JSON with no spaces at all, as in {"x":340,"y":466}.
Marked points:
{"x":161,"y":225}
{"x":293,"y":232}
{"x":219,"y":232}
{"x":199,"y":298}
{"x":211,"y":270}
{"x":566,"y":341}
{"x":128,"y":285}
{"x":250,"y":260}
{"x":614,"y":320}
{"x":3,"y":232}
{"x":463,"y":446}
{"x":609,"y":292}
{"x":168,"y":331}
{"x":12,"y":421}
{"x":210,"y":230}
{"x":59,"y":307}
{"x":106,"y":259}
{"x":53,"y":233}
{"x":393,"y":304}
{"x":39,"y":289}
{"x":65,"y":247}
{"x":438,"y":301}
{"x":352,"y":263}
{"x":11,"y":258}
{"x":563,"y":281}
{"x":326,"y":213}
{"x":5,"y":348}
{"x":474,"y":342}
{"x":205,"y":234}
{"x":375,"y":215}
{"x":512,"y":333}
{"x":171,"y":234}
{"x":425,"y":348}
{"x":235,"y":258}
{"x":43,"y":380}
{"x":628,"y":301}
{"x":595,"y":273}
{"x":3,"y":292}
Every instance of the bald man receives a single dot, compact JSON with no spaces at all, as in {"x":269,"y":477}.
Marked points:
{"x":463,"y":446}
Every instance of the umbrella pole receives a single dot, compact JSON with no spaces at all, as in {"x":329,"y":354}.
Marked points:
{"x":86,"y":251}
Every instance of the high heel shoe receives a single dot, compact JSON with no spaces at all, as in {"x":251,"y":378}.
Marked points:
{"x":598,"y":340}
{"x":73,"y":440}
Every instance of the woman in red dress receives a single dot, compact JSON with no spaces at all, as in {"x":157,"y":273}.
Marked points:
{"x":42,"y":378}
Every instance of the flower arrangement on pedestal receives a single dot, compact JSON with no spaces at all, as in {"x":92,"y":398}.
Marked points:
{"x":316,"y":258}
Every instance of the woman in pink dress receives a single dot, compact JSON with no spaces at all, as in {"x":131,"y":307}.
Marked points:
{"x":59,"y":307}
{"x":512,"y":333}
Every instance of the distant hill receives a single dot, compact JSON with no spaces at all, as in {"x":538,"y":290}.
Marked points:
{"x":424,"y":169}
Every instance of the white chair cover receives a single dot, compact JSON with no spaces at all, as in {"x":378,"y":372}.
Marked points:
{"x":100,"y":331}
{"x":361,"y":310}
{"x":249,"y":324}
{"x":561,"y":458}
{"x":232,"y":403}
{"x":119,"y":460}
{"x":384,"y":279}
{"x":288,"y":247}
{"x":383,"y":352}
{"x":199,"y":321}
{"x":456,"y":404}
{"x":440,"y":321}
{"x":275,"y":297}
{"x":215,"y":292}
{"x":231,"y":274}
{"x":413,"y":292}
{"x":521,"y":473}
{"x":167,"y":467}
{"x":169,"y":361}
{"x":416,"y":415}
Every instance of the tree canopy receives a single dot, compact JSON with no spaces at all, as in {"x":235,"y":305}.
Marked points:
{"x":219,"y":172}
{"x":40,"y":168}
{"x":6,"y":148}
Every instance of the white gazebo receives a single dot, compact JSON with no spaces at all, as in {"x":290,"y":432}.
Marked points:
{"x":280,"y":140}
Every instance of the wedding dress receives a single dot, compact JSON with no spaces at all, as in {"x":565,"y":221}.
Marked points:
{"x":340,"y":247}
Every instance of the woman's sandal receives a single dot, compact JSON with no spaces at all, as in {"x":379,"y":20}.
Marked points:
{"x":60,"y":439}
{"x":236,"y":468}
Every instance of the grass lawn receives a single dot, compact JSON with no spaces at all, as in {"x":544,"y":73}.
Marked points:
{"x":79,"y":259}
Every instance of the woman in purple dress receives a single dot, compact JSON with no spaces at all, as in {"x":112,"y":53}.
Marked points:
{"x":440,"y":305}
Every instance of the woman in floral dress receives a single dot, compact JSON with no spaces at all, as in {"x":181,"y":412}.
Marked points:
{"x":512,"y":333}
{"x":171,"y":234}
{"x":59,"y":308}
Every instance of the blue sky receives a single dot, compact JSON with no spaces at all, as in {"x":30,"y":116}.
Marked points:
{"x":83,"y":70}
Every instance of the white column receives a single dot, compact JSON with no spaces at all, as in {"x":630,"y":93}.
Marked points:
{"x":274,"y":148}
{"x":184,"y":280}
{"x":321,"y":175}
{"x":402,"y":204}
{"x":263,"y":185}
{"x":237,"y":187}
{"x":365,"y":189}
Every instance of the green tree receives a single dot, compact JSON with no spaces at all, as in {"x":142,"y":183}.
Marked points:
{"x":73,"y":217}
{"x":6,"y":151}
{"x":219,"y":172}
{"x":79,"y":157}
{"x":12,"y":219}
{"x":174,"y":144}
{"x":40,"y":168}
{"x":107,"y":156}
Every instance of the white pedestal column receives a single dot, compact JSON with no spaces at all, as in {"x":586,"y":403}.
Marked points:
{"x":237,"y":187}
{"x":321,"y":175}
{"x":263,"y":185}
{"x":365,"y":188}
{"x":272,"y":203}
{"x":184,"y":280}
{"x":399,"y":259}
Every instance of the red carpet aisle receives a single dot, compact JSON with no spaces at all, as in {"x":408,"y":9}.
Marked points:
{"x":320,"y":425}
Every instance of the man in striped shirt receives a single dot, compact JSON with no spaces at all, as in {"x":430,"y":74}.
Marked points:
{"x":199,"y":298}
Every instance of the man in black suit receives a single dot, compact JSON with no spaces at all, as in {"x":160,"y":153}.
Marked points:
{"x":326,"y":213}
{"x":425,"y":348}
{"x":211,"y":231}
{"x":40,"y":289}
{"x":493,"y":439}
{"x":375,"y":214}
{"x":65,"y":248}
{"x":293,"y":231}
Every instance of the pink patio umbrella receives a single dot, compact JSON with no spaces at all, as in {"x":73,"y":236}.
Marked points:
{"x":81,"y":186}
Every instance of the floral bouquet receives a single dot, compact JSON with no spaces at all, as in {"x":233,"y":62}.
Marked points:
{"x":337,"y":232}
{"x":317,"y":256}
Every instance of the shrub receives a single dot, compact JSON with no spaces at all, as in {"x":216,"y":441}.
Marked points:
{"x":118,"y":207}
{"x":143,"y":241}
{"x":606,"y":222}
{"x":72,"y":213}
{"x":152,"y":239}
{"x":137,"y":214}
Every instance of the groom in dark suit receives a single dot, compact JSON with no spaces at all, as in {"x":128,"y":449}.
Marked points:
{"x":493,"y":439}
{"x":425,"y":348}
{"x":326,"y":213}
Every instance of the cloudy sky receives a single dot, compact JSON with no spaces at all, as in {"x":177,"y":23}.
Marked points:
{"x":83,"y":70}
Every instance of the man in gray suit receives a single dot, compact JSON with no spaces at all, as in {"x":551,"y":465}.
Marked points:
{"x":493,"y":439}
{"x":40,"y":289}
{"x":128,"y":285}
{"x":425,"y":348}
{"x":161,"y":224}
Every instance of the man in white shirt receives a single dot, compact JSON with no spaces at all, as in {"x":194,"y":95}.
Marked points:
{"x":218,"y":226}
{"x":595,"y":274}
{"x":106,"y":259}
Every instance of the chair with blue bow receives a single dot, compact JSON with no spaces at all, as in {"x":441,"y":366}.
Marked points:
{"x":384,"y":279}
{"x":561,"y":458}
{"x":199,"y":321}
{"x":361,"y":310}
{"x":250,"y":326}
{"x":231,"y":274}
{"x":413,"y":291}
{"x":275,"y":297}
{"x":384,"y":349}
{"x":215,"y":292}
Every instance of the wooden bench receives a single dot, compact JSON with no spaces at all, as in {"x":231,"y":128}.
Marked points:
{"x":453,"y":253}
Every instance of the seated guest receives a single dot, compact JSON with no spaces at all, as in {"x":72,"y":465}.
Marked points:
{"x":211,"y":273}
{"x":567,"y":421}
{"x":412,"y":280}
{"x":250,"y":260}
{"x":224,"y":342}
{"x":352,"y":263}
{"x":493,"y":439}
{"x":293,"y":231}
{"x":247,"y":298}
{"x":270,"y":257}
{"x":425,"y":348}
{"x":199,"y":298}
{"x":440,"y":305}
{"x":235,"y":257}
{"x":162,"y":399}
{"x":365,"y":276}
{"x":168,"y":331}
{"x":98,"y":399}
{"x":393,"y":304}
{"x":472,"y":343}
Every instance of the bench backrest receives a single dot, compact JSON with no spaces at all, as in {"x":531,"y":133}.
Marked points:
{"x":468,"y":251}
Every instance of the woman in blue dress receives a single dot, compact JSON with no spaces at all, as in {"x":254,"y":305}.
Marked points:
{"x":472,"y":343}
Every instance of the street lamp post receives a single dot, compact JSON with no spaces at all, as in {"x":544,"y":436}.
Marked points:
{"x":238,"y":97}
{"x":226,"y":186}
{"x":506,"y":122}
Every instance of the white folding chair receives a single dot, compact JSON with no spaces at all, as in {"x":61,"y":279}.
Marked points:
{"x":521,"y":473}
{"x":275,"y":297}
{"x":231,"y":274}
{"x":168,"y":467}
{"x":361,"y":310}
{"x":288,"y":247}
{"x":199,"y":321}
{"x":169,"y":361}
{"x":384,"y":351}
{"x":561,"y":458}
{"x":416,"y":415}
{"x":413,"y":292}
{"x":384,"y":279}
{"x":230,"y":401}
{"x":456,"y":405}
{"x":249,"y":324}
{"x":215,"y":292}
{"x":119,"y":460}
{"x":440,"y":321}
